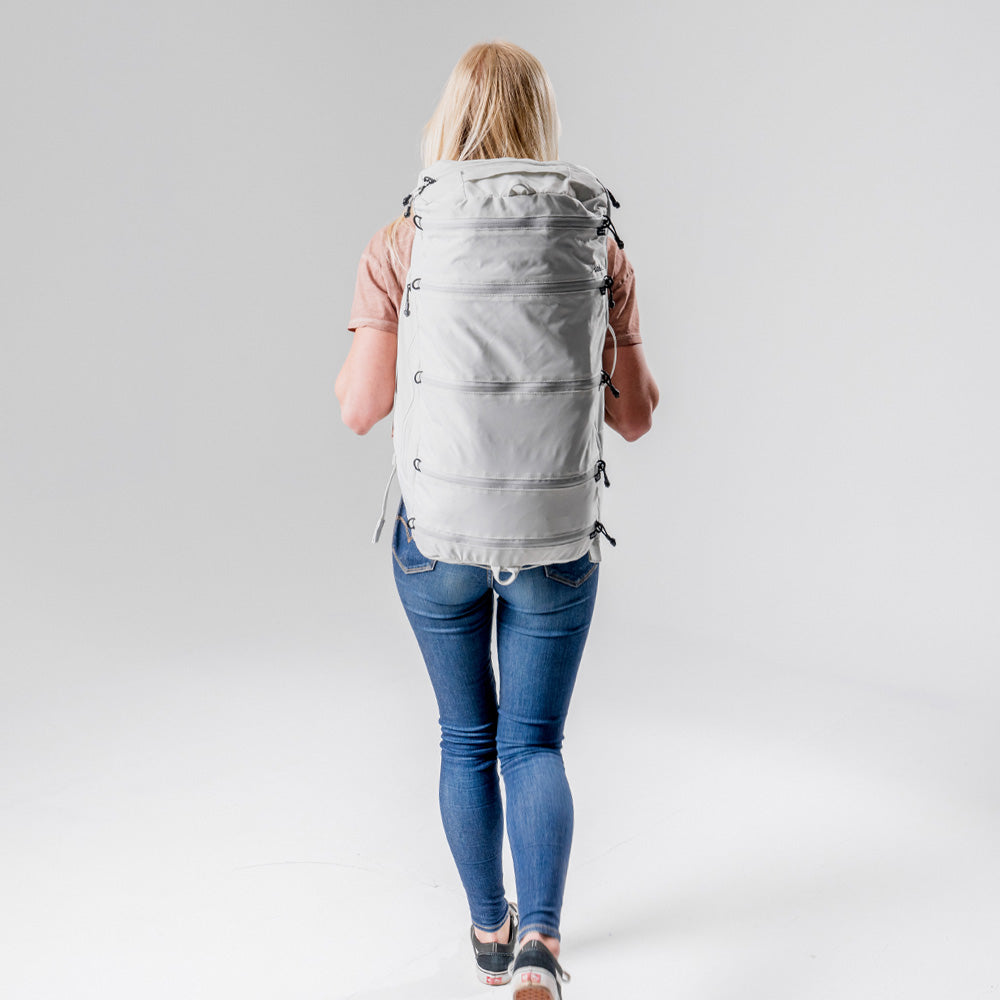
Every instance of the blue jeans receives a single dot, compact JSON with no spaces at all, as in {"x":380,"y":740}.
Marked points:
{"x":543,"y":618}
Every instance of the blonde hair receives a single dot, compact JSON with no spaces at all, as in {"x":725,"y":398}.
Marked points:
{"x":498,"y":101}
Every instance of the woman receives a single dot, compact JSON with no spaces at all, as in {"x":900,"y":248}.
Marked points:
{"x":498,"y":102}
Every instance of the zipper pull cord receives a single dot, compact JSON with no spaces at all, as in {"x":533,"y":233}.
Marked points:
{"x":606,"y":380}
{"x":600,"y":529}
{"x":607,"y":219}
{"x":601,"y":471}
{"x":415,"y":283}
{"x":385,"y":497}
{"x":611,"y":197}
{"x":605,"y":287}
{"x":408,"y":200}
{"x":608,"y":224}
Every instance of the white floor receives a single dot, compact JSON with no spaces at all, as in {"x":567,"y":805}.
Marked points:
{"x":207,"y":824}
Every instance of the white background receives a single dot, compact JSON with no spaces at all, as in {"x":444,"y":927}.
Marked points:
{"x":218,"y":747}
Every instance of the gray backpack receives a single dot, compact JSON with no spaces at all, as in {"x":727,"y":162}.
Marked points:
{"x":499,"y":411}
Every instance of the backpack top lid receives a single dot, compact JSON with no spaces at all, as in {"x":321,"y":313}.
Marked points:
{"x":488,"y":188}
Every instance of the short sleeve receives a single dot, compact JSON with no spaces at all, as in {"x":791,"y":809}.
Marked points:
{"x":376,"y":295}
{"x":624,"y":315}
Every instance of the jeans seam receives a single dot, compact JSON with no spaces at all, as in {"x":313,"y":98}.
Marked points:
{"x":553,"y":574}
{"x":491,"y":930}
{"x":428,"y":564}
{"x":547,"y":929}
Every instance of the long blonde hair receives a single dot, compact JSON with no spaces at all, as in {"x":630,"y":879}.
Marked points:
{"x":498,"y":101}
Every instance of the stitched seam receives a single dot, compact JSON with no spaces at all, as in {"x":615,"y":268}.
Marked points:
{"x":559,"y":577}
{"x":428,"y":564}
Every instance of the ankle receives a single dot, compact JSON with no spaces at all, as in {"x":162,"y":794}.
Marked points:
{"x":502,"y":935}
{"x":550,"y":942}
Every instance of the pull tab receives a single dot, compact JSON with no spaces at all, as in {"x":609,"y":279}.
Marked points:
{"x":414,"y":284}
{"x":497,"y":570}
{"x":599,"y":529}
{"x":606,"y":380}
{"x":610,"y":226}
{"x":601,"y":471}
{"x":408,"y":200}
{"x":606,"y":288}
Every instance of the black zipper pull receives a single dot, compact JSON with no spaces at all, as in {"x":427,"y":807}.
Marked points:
{"x":600,"y":529}
{"x":609,"y":225}
{"x":415,"y":283}
{"x":601,"y":471}
{"x":606,"y":380}
{"x":407,"y":201}
{"x":606,"y":287}
{"x":611,"y":197}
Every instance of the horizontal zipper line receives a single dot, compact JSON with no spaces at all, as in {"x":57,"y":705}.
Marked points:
{"x":525,"y":222}
{"x":566,"y":536}
{"x":555,"y":482}
{"x":511,"y":287}
{"x":560,"y":385}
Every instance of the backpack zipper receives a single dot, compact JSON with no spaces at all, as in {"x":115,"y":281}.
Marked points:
{"x":599,"y":529}
{"x":552,"y":385}
{"x":614,"y":200}
{"x":565,"y":536}
{"x":408,"y":200}
{"x":527,"y":222}
{"x":606,"y":288}
{"x":609,"y":225}
{"x":554,"y":482}
{"x":555,"y":286}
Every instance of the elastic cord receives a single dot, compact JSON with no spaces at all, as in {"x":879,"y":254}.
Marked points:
{"x":385,"y":498}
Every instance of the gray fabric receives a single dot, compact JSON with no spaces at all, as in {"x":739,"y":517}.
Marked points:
{"x":499,"y":410}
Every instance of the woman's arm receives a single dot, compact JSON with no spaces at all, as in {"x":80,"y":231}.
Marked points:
{"x":366,"y":385}
{"x":631,"y":414}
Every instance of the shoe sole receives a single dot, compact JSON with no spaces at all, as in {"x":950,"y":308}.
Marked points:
{"x":493,"y":978}
{"x":534,"y":983}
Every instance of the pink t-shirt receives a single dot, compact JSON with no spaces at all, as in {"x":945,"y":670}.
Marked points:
{"x":378,"y":293}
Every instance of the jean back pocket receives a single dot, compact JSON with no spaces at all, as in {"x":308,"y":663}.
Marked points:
{"x":404,"y":550}
{"x":572,"y":573}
